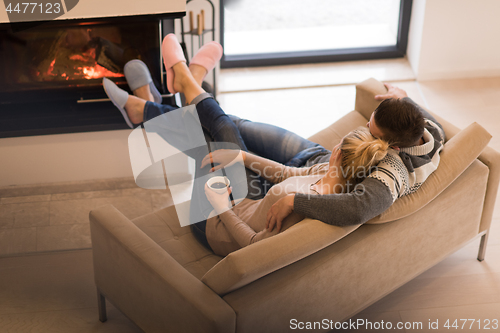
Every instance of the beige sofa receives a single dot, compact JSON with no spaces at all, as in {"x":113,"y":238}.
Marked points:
{"x":161,"y":278}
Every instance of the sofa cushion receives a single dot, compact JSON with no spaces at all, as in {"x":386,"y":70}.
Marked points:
{"x":163,"y":227}
{"x":252,"y":262}
{"x":457,"y":154}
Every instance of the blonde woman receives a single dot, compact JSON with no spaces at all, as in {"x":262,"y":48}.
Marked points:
{"x":351,"y":161}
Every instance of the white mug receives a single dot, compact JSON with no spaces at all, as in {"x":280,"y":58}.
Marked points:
{"x":218,"y":184}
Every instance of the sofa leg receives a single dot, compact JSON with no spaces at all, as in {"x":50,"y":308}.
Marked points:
{"x":101,"y":305}
{"x":482,"y":247}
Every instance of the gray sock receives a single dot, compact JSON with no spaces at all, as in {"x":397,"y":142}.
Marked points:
{"x":201,"y":97}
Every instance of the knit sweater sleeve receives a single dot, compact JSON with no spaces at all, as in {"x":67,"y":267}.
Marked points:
{"x":276,"y":172}
{"x":369,"y":199}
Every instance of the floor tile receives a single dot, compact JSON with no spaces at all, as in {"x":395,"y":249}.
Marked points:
{"x":130,"y":206}
{"x":450,"y":94}
{"x":6,"y":216}
{"x":29,"y":198}
{"x":54,"y":293}
{"x":74,"y":321}
{"x":464,"y":262}
{"x":372,"y":322}
{"x":20,"y":240}
{"x":296,"y":76}
{"x":47,"y":282}
{"x":63,"y":237}
{"x":302,"y":111}
{"x":87,"y":195}
{"x":30,"y":214}
{"x":441,"y":292}
{"x":70,"y":211}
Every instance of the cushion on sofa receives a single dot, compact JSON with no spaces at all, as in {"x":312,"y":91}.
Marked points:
{"x":365,"y":93}
{"x":457,"y":154}
{"x":259,"y":259}
{"x":163,"y":228}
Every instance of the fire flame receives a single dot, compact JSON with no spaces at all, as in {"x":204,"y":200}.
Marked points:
{"x":91,"y":71}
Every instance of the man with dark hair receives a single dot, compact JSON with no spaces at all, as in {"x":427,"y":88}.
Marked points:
{"x":416,"y":139}
{"x":401,"y":122}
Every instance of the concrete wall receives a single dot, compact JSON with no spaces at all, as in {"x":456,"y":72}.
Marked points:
{"x":454,"y":39}
{"x":64,"y":158}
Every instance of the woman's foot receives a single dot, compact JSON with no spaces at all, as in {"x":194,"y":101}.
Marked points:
{"x":205,"y":60}
{"x":172,"y":55}
{"x":199,"y":72}
{"x":185,"y":82}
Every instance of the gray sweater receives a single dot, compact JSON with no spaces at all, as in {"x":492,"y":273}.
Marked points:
{"x":397,"y":175}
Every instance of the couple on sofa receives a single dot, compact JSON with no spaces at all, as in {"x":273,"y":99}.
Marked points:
{"x":357,"y":180}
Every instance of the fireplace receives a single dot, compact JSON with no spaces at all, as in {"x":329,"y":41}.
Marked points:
{"x":51,"y":74}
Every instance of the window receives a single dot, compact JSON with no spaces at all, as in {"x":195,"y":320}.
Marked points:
{"x":278,"y":32}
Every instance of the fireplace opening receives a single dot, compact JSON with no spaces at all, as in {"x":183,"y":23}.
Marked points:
{"x":51,"y":75}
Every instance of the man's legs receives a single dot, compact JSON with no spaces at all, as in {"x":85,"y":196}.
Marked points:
{"x":276,"y":143}
{"x":212,"y":118}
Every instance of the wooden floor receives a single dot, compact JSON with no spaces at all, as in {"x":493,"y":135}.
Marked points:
{"x":54,"y":291}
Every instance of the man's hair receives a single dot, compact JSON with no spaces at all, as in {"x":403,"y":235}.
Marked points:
{"x":401,"y":122}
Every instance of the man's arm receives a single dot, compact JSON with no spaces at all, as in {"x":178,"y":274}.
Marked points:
{"x":371,"y":198}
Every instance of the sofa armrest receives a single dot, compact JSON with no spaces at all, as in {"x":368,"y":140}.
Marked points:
{"x":365,"y":96}
{"x":144,"y":281}
{"x":491,"y":158}
{"x":252,"y":262}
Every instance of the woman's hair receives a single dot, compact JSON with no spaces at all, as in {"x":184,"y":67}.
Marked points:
{"x":360,"y":153}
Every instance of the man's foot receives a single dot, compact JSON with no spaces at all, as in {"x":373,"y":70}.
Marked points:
{"x":145,"y":93}
{"x":131,"y":107}
{"x":140,"y":82}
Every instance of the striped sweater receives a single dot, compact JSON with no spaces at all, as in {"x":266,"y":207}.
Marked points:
{"x":404,"y":171}
{"x":398,"y":174}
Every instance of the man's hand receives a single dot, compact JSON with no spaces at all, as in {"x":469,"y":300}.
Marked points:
{"x":392,"y":92}
{"x":279,"y":211}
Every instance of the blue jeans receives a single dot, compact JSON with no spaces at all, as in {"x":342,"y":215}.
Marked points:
{"x":269,"y":141}
{"x":276,"y":143}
